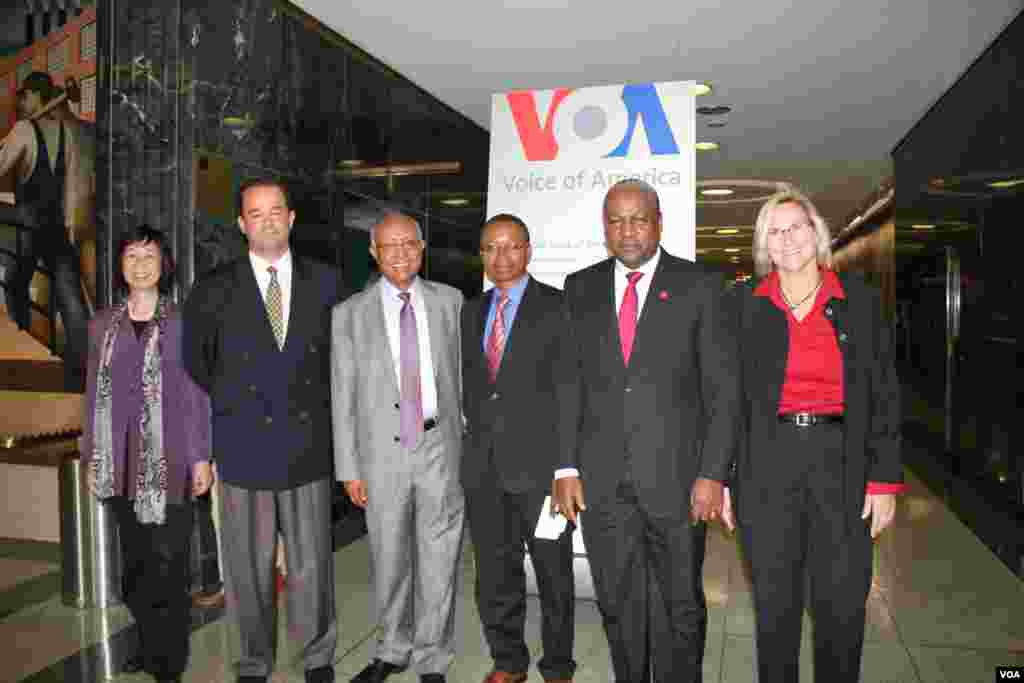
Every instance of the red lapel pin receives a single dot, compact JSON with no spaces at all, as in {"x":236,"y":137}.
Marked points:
{"x":663,"y":295}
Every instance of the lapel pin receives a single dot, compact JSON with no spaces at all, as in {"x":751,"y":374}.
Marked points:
{"x":663,"y":295}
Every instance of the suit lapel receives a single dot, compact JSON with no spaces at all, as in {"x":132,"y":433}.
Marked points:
{"x":246,"y":279}
{"x":296,"y":313}
{"x":526,"y":316}
{"x":379,"y":330}
{"x":652,"y":317}
{"x":771,"y":344}
{"x":433,"y":306}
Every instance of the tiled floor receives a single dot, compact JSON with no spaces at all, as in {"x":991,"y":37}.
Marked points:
{"x":943,"y":609}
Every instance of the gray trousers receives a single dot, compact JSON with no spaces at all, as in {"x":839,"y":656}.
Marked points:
{"x":415,"y":519}
{"x":250,"y":522}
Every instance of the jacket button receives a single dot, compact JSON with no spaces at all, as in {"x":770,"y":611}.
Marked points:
{"x":309,"y":382}
{"x":396,"y":406}
{"x":842,"y":336}
{"x":304,"y":416}
{"x":245,"y":355}
{"x":312,"y":348}
{"x":629,"y":389}
{"x":494,"y":397}
{"x":252,"y":388}
{"x":268,"y":419}
{"x":397,"y":439}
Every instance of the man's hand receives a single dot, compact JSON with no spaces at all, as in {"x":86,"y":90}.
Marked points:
{"x":881,"y":508}
{"x":728,"y":516}
{"x":202,"y":478}
{"x":567,"y":497}
{"x":705,"y":500}
{"x":356,"y":490}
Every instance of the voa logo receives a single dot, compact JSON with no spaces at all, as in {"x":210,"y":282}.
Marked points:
{"x":591,"y":122}
{"x":1008,"y":673}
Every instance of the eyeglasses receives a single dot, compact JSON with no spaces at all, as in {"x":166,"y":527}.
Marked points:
{"x":494,"y":249}
{"x":392,"y":247}
{"x":794,"y":231}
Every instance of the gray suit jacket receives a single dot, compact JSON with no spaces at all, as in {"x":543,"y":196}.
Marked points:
{"x":364,"y":389}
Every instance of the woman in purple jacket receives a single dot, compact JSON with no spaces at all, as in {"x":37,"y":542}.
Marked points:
{"x":146,"y":445}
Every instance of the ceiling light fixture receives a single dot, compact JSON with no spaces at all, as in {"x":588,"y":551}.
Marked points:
{"x":716,"y":110}
{"x":707,"y":146}
{"x":922,"y":226}
{"x":701,"y":89}
{"x":727,"y":231}
{"x":731,"y":250}
{"x":1006,"y":184}
{"x":717,"y":192}
{"x":455,"y":201}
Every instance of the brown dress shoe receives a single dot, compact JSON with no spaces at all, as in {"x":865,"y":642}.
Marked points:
{"x":504,"y":677}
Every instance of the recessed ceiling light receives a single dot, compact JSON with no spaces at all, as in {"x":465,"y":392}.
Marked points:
{"x":735,"y":259}
{"x":731,"y":250}
{"x":727,"y":231}
{"x":1005,"y":184}
{"x":350,"y":163}
{"x":702,"y":251}
{"x":922,"y":226}
{"x":716,"y":110}
{"x":717,"y":192}
{"x":701,"y":89}
{"x":706,"y":146}
{"x":455,"y":201}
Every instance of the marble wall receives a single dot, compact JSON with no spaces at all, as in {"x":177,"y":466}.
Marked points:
{"x":203,"y":96}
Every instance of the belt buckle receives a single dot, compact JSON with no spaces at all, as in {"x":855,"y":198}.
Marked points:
{"x":803,"y":420}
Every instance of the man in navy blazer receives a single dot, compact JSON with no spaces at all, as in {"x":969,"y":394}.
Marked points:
{"x":657,"y":416}
{"x":257,"y":338}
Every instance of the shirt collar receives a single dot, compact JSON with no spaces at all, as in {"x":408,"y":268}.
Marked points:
{"x":647,"y":269}
{"x":769,"y":286}
{"x":515,"y":292}
{"x":392,"y":292}
{"x":283,"y":264}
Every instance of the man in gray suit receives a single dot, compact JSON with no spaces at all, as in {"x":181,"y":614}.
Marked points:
{"x":396,"y":397}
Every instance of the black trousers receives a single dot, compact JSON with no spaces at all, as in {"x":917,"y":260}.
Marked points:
{"x":794,"y":531}
{"x":648,"y":576}
{"x":500,"y":523}
{"x":156,"y":577}
{"x":48,"y":241}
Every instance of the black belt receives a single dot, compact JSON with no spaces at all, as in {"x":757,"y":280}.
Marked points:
{"x":810,"y":419}
{"x":429,"y":424}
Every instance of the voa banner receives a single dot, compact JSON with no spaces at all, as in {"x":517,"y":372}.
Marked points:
{"x":555,"y":153}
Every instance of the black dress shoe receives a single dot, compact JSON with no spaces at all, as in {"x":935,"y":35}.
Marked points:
{"x":252,"y":679}
{"x":321,"y":674}
{"x":432,"y":678}
{"x":133,"y":664}
{"x":376,"y":671}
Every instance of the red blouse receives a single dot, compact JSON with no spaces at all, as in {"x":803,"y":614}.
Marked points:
{"x":814,"y":367}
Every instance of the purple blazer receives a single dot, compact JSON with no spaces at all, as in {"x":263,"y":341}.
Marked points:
{"x":186,"y":407}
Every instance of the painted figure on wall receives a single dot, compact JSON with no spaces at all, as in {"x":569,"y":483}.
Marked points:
{"x":52,"y":154}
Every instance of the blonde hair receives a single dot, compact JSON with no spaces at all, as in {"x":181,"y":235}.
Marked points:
{"x":762,"y":259}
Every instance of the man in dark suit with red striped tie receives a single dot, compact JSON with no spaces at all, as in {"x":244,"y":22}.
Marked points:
{"x":516,"y":360}
{"x":656,"y":414}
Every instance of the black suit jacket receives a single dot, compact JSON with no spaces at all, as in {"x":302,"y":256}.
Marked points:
{"x":669,"y":417}
{"x":271,"y":407}
{"x":871,"y":393}
{"x":515,"y":420}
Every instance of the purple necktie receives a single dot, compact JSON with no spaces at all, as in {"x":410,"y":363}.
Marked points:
{"x":410,"y":413}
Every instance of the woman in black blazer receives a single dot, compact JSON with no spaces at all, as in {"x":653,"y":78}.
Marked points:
{"x":819,"y":467}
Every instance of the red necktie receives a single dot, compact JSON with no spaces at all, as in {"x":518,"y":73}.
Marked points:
{"x":627,"y":316}
{"x":496,"y":342}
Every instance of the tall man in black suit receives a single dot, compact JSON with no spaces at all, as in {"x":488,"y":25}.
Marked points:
{"x":657,"y":416}
{"x":257,"y":338}
{"x":516,"y":359}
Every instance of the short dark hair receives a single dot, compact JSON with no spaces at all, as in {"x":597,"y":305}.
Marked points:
{"x":263,"y":182}
{"x":145,"y":234}
{"x":507,"y":218}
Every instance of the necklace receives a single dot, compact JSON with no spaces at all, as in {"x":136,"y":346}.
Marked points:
{"x":798,"y":304}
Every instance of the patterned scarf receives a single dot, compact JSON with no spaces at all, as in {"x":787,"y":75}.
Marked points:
{"x":151,"y":481}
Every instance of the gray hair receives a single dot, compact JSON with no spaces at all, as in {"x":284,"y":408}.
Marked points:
{"x":762,"y":259}
{"x":391,"y":213}
{"x":637,"y":184}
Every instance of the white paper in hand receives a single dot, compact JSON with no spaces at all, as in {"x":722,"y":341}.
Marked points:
{"x":548,"y":527}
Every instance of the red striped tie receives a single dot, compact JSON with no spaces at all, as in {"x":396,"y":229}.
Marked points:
{"x":496,"y":342}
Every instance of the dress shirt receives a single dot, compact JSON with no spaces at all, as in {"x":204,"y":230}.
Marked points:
{"x":515,"y":295}
{"x":813,"y":381}
{"x":284,"y":278}
{"x":621,"y":282}
{"x":392,"y":317}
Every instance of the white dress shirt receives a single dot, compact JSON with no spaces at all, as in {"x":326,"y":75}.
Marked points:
{"x":621,"y":282}
{"x":392,"y":318}
{"x":284,"y":278}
